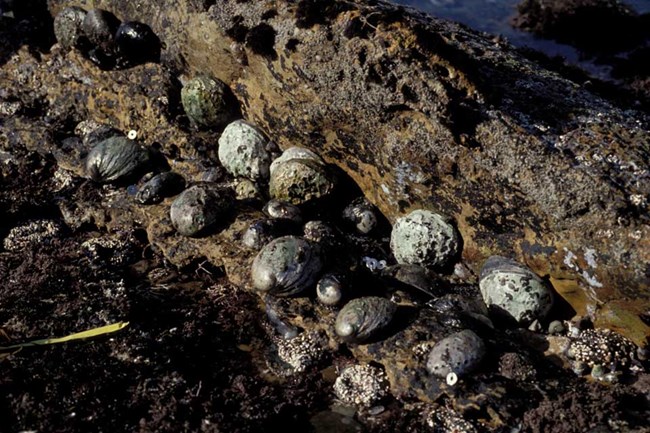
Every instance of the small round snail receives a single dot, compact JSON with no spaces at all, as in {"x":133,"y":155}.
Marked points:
{"x":136,"y":42}
{"x":279,"y":209}
{"x":362,"y":214}
{"x":362,"y":318}
{"x":162,"y":185}
{"x":329,"y":289}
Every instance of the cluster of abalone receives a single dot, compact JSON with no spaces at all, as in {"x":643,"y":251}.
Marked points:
{"x":106,"y":41}
{"x":373,"y":288}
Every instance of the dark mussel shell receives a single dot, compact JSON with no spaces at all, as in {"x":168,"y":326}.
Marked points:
{"x":116,"y":159}
{"x":137,"y":43}
{"x":166,"y":184}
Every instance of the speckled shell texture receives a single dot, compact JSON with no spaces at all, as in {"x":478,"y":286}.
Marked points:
{"x":67,"y":26}
{"x":329,"y":290}
{"x":199,"y":207}
{"x":512,"y":288}
{"x":299,"y":176}
{"x":424,"y":238}
{"x":458,"y":353}
{"x":204,"y":102}
{"x":287,"y":266}
{"x":362,"y":318}
{"x":116,"y":158}
{"x":242,"y":151}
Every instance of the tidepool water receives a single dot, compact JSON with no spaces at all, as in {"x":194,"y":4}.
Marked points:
{"x":493,"y":16}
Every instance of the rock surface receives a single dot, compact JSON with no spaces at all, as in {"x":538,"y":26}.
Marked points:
{"x":420,"y":113}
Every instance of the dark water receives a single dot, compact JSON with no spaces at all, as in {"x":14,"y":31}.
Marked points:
{"x":493,"y":16}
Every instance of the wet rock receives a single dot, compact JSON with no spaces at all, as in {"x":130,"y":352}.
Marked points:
{"x":199,"y":208}
{"x":513,"y":290}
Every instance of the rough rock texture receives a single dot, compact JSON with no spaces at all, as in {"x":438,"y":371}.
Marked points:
{"x":425,"y":113}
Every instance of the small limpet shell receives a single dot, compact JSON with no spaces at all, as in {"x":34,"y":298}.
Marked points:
{"x":204,"y":102}
{"x":300,"y":177}
{"x":68,"y":27}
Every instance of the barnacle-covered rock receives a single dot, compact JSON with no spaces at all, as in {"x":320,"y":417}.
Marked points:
{"x":458,"y":353}
{"x":32,"y":233}
{"x":424,"y":238}
{"x":263,"y":231}
{"x":362,"y":318}
{"x":204,"y":102}
{"x":361,"y":214}
{"x":68,"y":27}
{"x":286,"y":266}
{"x":361,"y":385}
{"x":602,"y":347}
{"x":299,"y":176}
{"x":511,"y":288}
{"x":166,"y":184}
{"x":279,"y":209}
{"x":115,"y":159}
{"x":199,"y":208}
{"x":329,"y":289}
{"x":242,"y":151}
